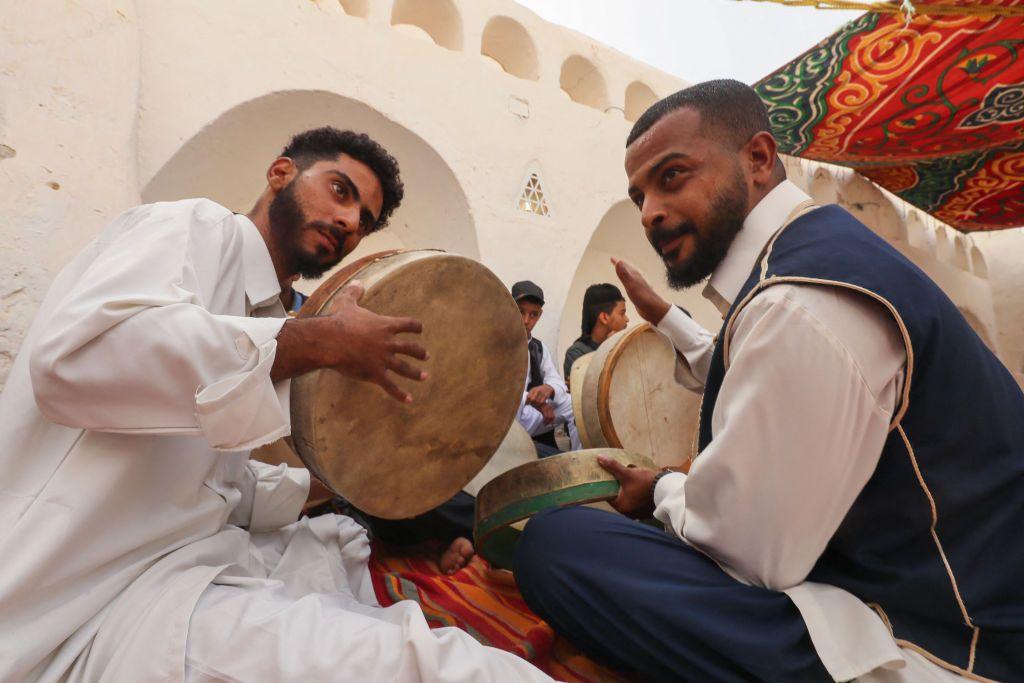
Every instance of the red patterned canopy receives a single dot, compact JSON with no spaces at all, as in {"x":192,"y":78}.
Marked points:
{"x":932,"y":110}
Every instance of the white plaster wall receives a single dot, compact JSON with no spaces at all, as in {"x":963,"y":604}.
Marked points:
{"x":68,"y":96}
{"x":104,"y":103}
{"x":1003,"y":252}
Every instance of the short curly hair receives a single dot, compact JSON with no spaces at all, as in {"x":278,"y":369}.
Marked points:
{"x":318,"y":144}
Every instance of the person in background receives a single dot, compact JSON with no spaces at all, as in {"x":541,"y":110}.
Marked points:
{"x":546,"y":401}
{"x":604,"y":314}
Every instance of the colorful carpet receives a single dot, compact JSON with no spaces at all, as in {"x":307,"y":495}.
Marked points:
{"x":931,"y":109}
{"x":486,"y":604}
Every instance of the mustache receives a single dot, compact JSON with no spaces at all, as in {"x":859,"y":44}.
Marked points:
{"x":662,"y":235}
{"x":331,"y":230}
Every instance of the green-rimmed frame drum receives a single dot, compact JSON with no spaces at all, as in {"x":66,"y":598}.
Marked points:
{"x":573,"y":478}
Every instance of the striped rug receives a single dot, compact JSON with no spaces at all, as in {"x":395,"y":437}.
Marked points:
{"x":485,"y":603}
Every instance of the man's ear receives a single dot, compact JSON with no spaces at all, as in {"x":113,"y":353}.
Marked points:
{"x":281,"y":172}
{"x":603,"y":317}
{"x":761,"y":153}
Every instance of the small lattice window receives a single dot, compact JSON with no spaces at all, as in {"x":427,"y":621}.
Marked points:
{"x":532,"y":199}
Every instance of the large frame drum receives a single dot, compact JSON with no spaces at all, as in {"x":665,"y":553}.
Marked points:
{"x":625,"y":395}
{"x":395,"y":460}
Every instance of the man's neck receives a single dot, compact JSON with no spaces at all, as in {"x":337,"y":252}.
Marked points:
{"x":763,"y":221}
{"x":260,"y":217}
{"x":600,"y":333}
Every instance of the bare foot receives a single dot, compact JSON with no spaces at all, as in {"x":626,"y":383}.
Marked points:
{"x":457,"y":555}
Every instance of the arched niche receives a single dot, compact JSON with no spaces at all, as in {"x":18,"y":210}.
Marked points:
{"x":865,"y":201}
{"x":508,"y":43}
{"x":439,"y":19}
{"x":582,"y":82}
{"x":978,"y":265}
{"x":621,"y":235}
{"x":356,"y":8}
{"x":639,"y":98}
{"x":226,"y":161}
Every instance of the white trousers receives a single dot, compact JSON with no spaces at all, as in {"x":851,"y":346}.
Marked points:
{"x":533,"y":422}
{"x":314,"y":618}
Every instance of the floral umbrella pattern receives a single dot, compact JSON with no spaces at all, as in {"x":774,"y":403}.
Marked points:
{"x":931,"y":109}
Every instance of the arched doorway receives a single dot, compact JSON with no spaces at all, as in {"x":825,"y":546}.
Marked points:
{"x":620,"y":234}
{"x":227,"y":161}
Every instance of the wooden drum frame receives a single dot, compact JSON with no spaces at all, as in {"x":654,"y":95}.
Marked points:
{"x":625,"y":395}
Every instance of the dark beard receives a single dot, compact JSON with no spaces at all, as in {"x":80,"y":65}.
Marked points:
{"x":728,"y":210}
{"x":287,"y":221}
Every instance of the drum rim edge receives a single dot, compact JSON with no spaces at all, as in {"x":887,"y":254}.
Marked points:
{"x":604,"y":407}
{"x":504,"y":518}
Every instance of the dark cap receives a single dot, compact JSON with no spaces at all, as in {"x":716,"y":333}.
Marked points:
{"x":527,"y":290}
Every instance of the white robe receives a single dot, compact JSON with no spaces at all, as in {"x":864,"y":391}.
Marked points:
{"x":128,"y":496}
{"x":532,"y":419}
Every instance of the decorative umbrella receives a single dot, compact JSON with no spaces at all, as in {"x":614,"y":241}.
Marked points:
{"x":926,"y":99}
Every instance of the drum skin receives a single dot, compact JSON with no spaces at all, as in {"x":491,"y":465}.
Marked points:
{"x":573,"y":478}
{"x":395,"y":460}
{"x":629,"y":398}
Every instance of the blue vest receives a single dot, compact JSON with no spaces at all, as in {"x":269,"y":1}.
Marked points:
{"x":935,"y":540}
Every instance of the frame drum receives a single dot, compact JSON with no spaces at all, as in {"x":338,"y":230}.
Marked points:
{"x":629,"y":398}
{"x":395,"y":460}
{"x":573,"y":478}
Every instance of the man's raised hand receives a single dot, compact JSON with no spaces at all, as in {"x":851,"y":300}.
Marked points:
{"x":648,"y":303}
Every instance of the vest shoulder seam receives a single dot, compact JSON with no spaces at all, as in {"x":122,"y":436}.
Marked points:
{"x":777,"y":279}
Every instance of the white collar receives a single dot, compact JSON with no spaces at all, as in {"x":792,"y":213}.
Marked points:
{"x":763,"y":221}
{"x":261,"y":284}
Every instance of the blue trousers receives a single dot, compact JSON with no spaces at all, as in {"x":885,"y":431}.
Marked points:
{"x":637,"y":599}
{"x":445,"y":523}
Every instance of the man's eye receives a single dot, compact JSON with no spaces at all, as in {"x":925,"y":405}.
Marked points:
{"x":671,"y":174}
{"x":340,"y":189}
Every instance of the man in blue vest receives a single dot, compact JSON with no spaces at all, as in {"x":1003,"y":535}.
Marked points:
{"x":854,"y":507}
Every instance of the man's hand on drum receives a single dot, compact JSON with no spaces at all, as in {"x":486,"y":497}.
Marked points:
{"x":636,"y":497}
{"x":648,"y":303}
{"x":547,"y":411}
{"x":354,"y":341}
{"x":539,"y":395}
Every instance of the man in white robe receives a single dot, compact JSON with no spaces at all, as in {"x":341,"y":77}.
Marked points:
{"x":139,"y":542}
